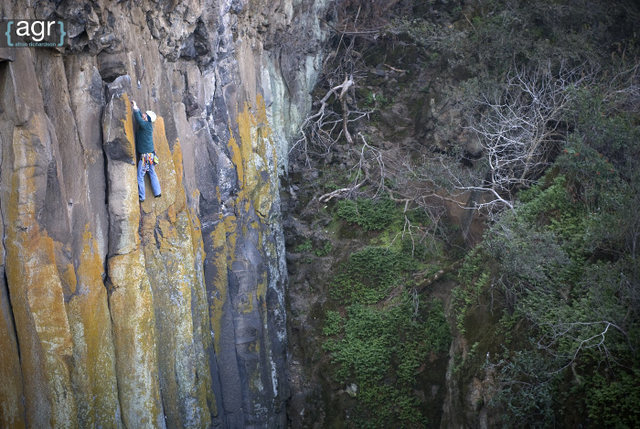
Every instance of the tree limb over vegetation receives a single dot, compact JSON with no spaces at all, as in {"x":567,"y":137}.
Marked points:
{"x":520,"y":130}
{"x":319,"y":128}
{"x":337,"y":108}
{"x":361,"y":172}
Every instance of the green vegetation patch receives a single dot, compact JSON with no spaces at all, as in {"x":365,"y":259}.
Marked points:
{"x":613,"y":401}
{"x":380,"y":338}
{"x":369,"y":275}
{"x":371,"y":215}
{"x":562,"y":270}
{"x":381,"y":350}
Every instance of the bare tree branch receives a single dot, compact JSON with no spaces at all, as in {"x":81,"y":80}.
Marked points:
{"x":520,"y":128}
{"x":581,"y":334}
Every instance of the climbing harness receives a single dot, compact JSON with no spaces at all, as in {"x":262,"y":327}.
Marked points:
{"x":147,"y":159}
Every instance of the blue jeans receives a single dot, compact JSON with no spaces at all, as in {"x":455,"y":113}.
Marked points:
{"x":155,"y":184}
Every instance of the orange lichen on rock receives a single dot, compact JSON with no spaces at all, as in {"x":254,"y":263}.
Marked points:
{"x":220,"y":282}
{"x":94,"y":370}
{"x":35,"y":286}
{"x":131,"y":304}
{"x":257,"y":169}
{"x":11,"y":393}
{"x":181,"y":198}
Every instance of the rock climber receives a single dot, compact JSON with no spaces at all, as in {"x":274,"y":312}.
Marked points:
{"x":145,"y":150}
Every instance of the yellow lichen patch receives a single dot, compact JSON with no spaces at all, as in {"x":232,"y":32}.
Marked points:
{"x":196,"y":233}
{"x":44,"y":293}
{"x":220,"y":282}
{"x":170,"y":264}
{"x":90,"y":262}
{"x":134,"y":337}
{"x":243,"y":158}
{"x":181,"y":199}
{"x":171,"y":214}
{"x":261,"y":110}
{"x":94,"y":375}
{"x":245,"y":302}
{"x":69,"y":281}
{"x":266,"y":132}
{"x":37,"y":299}
{"x":247,"y":131}
{"x":255,"y":176}
{"x":165,"y":170}
{"x":236,"y":158}
{"x":128,"y":125}
{"x":42,"y":325}
{"x":230,"y":225}
{"x":22,"y":210}
{"x":261,"y":292}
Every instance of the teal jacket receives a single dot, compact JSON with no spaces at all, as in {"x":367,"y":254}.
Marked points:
{"x":144,"y":134}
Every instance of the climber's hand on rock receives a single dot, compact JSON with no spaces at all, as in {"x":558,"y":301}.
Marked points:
{"x":135,"y":106}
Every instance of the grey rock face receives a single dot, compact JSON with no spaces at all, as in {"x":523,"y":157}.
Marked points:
{"x":169,"y":312}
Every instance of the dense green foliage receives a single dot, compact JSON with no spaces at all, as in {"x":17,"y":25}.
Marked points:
{"x":548,"y":304}
{"x":565,"y":263}
{"x":382,"y":336}
{"x":550,"y":296}
{"x":371,"y":215}
{"x":381,"y":351}
{"x":369,"y":275}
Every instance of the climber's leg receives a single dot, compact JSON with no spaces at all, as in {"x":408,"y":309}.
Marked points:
{"x":155,"y":184}
{"x":141,"y":180}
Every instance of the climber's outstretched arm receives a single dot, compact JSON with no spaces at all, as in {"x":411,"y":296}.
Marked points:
{"x":136,"y":113}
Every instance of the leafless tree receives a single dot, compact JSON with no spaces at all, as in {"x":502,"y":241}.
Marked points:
{"x":361,"y":172}
{"x":520,"y":129}
{"x":329,"y":124}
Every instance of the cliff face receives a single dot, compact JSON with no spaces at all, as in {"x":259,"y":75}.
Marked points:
{"x":170,"y":312}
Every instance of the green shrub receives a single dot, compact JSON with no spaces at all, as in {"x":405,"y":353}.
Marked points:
{"x":369,"y":275}
{"x":473,"y":276}
{"x":380,"y":350}
{"x":325,"y":250}
{"x":562,"y":260}
{"x":371,"y":215}
{"x":305,"y":246}
{"x":526,"y":395}
{"x":333,"y":323}
{"x":373,"y":100}
{"x":418,"y":250}
{"x":615,"y":402}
